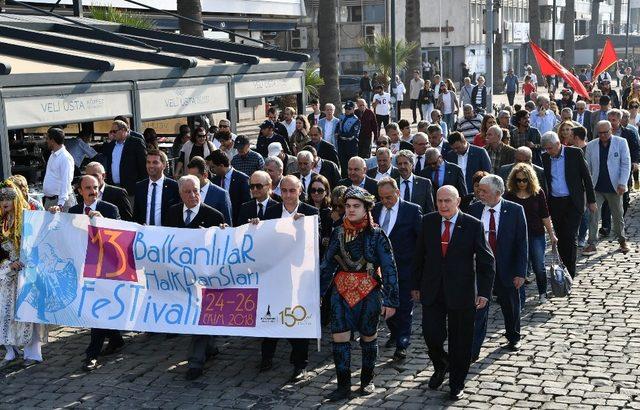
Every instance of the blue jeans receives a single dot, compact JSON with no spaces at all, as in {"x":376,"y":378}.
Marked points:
{"x":448,"y":118}
{"x":537,"y":245}
{"x":584,"y":226}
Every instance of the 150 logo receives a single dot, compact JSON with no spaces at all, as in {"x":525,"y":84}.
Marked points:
{"x":292,"y":316}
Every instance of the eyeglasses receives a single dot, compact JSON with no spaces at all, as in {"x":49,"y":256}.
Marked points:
{"x":223,"y":126}
{"x":316,"y":190}
{"x":382,"y":143}
{"x":202,"y":135}
{"x":522,"y":180}
{"x":256,"y":186}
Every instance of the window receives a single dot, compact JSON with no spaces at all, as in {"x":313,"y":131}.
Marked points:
{"x":374,"y":13}
{"x":355,"y":13}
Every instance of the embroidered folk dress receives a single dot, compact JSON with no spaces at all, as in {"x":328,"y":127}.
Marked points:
{"x":11,"y":332}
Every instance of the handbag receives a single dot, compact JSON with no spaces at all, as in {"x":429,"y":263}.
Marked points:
{"x":561,"y":281}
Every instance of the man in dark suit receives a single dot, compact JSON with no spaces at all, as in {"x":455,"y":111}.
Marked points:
{"x":93,"y":207}
{"x":452,"y":281}
{"x":305,"y":173}
{"x":442,"y":173}
{"x":400,"y":220}
{"x":210,"y":194}
{"x":524,"y":154}
{"x":436,"y":140}
{"x":109,"y":193}
{"x":192,"y":213}
{"x":260,"y":186}
{"x":267,"y":136}
{"x":384,"y":167}
{"x":414,"y":189}
{"x":315,"y":116}
{"x":290,"y":207}
{"x":499,"y":153}
{"x":601,"y":114}
{"x":569,"y":182}
{"x":324,"y":149}
{"x":156,"y":194}
{"x":469,"y":158}
{"x":125,"y":158}
{"x":583,"y":117}
{"x":324,"y":167}
{"x":234,"y":182}
{"x":357,"y":170}
{"x":505,"y":228}
{"x":369,"y":129}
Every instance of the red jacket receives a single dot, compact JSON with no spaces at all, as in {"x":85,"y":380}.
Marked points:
{"x":368,"y":125}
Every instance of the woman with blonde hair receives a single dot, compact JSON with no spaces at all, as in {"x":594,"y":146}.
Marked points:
{"x":564,"y":132}
{"x":523,"y":188}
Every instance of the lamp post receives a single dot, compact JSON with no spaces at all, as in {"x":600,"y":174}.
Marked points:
{"x":393,"y":60}
{"x":440,"y":37}
{"x":626,"y":38}
{"x":488,"y":56}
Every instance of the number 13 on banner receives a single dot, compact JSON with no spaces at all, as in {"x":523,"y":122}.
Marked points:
{"x":110,"y":254}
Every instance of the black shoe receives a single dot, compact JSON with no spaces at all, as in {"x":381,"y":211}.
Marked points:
{"x":366,"y":390}
{"x":389,"y":343}
{"x":437,"y":378}
{"x":265,"y":364}
{"x":90,"y":365}
{"x":475,"y":359}
{"x":456,"y":394}
{"x":513,"y":346}
{"x":213,"y":353}
{"x":366,"y":382}
{"x":299,"y":373}
{"x":603,"y":232}
{"x":343,"y":391}
{"x":111,"y":349}
{"x":400,"y":354}
{"x":193,"y":373}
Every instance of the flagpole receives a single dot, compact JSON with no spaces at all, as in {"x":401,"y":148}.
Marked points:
{"x":489,"y":57}
{"x":626,"y":45}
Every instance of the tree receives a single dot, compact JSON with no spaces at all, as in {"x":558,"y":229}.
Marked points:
{"x":593,"y":26}
{"x":191,"y":9}
{"x":412,"y":35}
{"x":379,"y":55}
{"x":569,"y":34}
{"x":498,"y":74}
{"x":328,"y":53}
{"x":617,"y":11}
{"x":534,"y":34}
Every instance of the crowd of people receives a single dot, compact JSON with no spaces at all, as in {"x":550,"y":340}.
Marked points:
{"x":449,"y":215}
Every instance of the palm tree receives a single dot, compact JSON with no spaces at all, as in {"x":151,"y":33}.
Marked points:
{"x":412,"y":34}
{"x":312,"y":81}
{"x":569,"y":33}
{"x":193,"y":10}
{"x":328,"y":53}
{"x":379,"y":55}
{"x":534,"y":34}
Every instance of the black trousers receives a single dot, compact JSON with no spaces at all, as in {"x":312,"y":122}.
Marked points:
{"x":97,"y":340}
{"x":383,"y":120}
{"x":509,"y":300}
{"x":511,"y":96}
{"x":299,"y":351}
{"x":460,"y":334}
{"x":414,"y":106}
{"x":364,"y":146}
{"x":566,"y":221}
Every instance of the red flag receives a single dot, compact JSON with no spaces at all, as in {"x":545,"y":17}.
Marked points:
{"x":607,"y":59}
{"x":549,"y":66}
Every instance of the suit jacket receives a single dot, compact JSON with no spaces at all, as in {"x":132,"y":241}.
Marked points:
{"x":133,"y":163}
{"x":369,"y":129}
{"x":595,"y":117}
{"x":249,"y":210}
{"x":477,"y":160}
{"x":205,"y":218}
{"x":576,"y":174}
{"x":505,"y":170}
{"x":586,"y":122}
{"x":446,"y":148}
{"x":474,"y":94}
{"x":217,"y":198}
{"x":304,"y":194}
{"x":421,"y":193}
{"x":403,"y":235}
{"x":452,"y":176}
{"x":328,"y":152}
{"x":118,"y":197}
{"x":370,"y":185}
{"x":170,"y":196}
{"x":512,"y":255}
{"x":394,"y":173}
{"x":406,"y":145}
{"x":238,"y":192}
{"x":631,"y":135}
{"x":312,"y":119}
{"x":107,"y":209}
{"x":275,"y":211}
{"x":467,"y":270}
{"x":330,"y":170}
{"x":618,"y":161}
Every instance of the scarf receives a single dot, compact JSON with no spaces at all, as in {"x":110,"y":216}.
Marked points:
{"x":352,"y":230}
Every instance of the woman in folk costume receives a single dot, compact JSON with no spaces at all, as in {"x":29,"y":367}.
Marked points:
{"x":13,"y":334}
{"x":359,"y":261}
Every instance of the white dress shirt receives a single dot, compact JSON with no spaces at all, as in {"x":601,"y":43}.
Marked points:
{"x":462,"y":162}
{"x":194,"y":212}
{"x":392,"y":218}
{"x":291,"y":127}
{"x":277,"y":190}
{"x":453,"y":220}
{"x":158,"y":210}
{"x":318,"y":166}
{"x":287,"y":214}
{"x":420,"y":159}
{"x":305,"y":180}
{"x":92,"y":206}
{"x":203,"y":191}
{"x":380,"y":175}
{"x":486,"y":219}
{"x":403,"y":186}
{"x":580,"y":118}
{"x":264,"y":206}
{"x":227,"y":179}
{"x":57,"y":180}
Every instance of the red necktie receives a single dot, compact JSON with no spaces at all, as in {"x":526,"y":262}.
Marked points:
{"x":493,"y":239}
{"x":87,"y":209}
{"x":446,"y":235}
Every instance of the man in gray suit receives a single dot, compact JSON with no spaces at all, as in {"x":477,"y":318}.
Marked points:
{"x":413,"y":188}
{"x":523,"y":154}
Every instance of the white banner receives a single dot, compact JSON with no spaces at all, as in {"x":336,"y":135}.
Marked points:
{"x":266,"y":88}
{"x":247,"y":281}
{"x":23,"y":112}
{"x":182,"y":101}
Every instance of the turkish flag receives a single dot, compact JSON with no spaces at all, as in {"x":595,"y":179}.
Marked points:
{"x":549,"y":66}
{"x":607,"y":59}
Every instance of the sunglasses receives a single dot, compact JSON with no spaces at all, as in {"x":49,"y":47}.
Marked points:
{"x":256,"y":186}
{"x":634,"y":106}
{"x":202,"y":135}
{"x":522,"y":181}
{"x":316,"y":191}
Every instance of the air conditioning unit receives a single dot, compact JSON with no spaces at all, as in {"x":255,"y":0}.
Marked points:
{"x":299,"y":39}
{"x":370,"y":31}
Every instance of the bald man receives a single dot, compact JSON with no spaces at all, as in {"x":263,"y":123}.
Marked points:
{"x":369,"y":130}
{"x":357,"y":171}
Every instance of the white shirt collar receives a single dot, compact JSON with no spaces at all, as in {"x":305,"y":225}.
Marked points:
{"x":453,"y":219}
{"x":496,"y":207}
{"x":410,"y":179}
{"x":286,"y":214}
{"x":159,"y":182}
{"x":92,"y":206}
{"x":194,"y":211}
{"x":204,"y":190}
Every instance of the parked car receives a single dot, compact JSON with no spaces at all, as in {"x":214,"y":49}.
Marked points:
{"x":349,"y":87}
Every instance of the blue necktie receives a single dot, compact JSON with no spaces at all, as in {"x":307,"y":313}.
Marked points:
{"x":188,"y":219}
{"x":407,"y":192}
{"x":152,"y":207}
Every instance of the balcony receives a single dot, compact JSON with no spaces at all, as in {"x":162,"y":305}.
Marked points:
{"x":559,"y":3}
{"x":546,"y":28}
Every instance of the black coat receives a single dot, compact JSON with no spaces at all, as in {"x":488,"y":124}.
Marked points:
{"x":330,"y":170}
{"x":105,"y":208}
{"x":133,"y":163}
{"x":467,"y":270}
{"x":395,"y":174}
{"x":452,"y":176}
{"x":576,"y":174}
{"x":118,"y":196}
{"x":370,"y":185}
{"x":238,"y":191}
{"x":170,"y":196}
{"x":327,"y":151}
{"x":205,"y":218}
{"x":249,"y":210}
{"x":275,"y":212}
{"x":262,"y":145}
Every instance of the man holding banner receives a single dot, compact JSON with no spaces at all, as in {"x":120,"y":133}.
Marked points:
{"x":360,"y":263}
